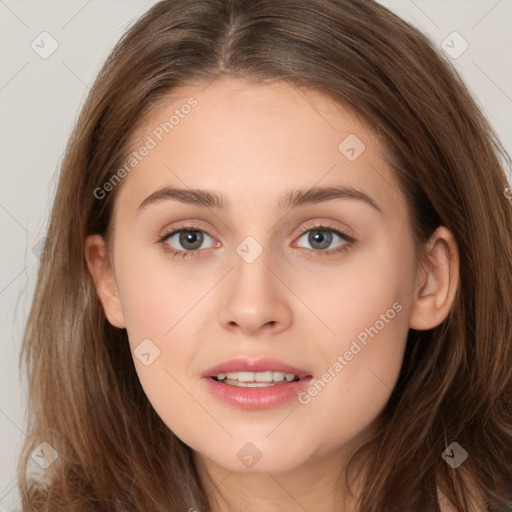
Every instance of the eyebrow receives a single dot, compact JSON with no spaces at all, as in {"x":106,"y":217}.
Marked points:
{"x":291,"y":199}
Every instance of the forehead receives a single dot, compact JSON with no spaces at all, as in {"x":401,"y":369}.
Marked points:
{"x":252,"y":140}
{"x":248,"y":103}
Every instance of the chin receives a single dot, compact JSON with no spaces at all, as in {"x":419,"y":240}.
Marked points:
{"x":259,"y":457}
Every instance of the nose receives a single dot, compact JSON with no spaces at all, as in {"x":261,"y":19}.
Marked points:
{"x":255,"y":297}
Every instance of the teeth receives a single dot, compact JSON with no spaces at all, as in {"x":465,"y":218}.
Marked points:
{"x":257,"y":377}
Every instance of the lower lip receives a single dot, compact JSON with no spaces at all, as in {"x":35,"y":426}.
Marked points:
{"x":257,"y":397}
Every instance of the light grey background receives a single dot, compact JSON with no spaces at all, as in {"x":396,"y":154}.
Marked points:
{"x":39,"y":102}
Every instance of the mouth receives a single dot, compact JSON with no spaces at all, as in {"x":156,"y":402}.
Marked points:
{"x":262,"y":384}
{"x":256,"y":384}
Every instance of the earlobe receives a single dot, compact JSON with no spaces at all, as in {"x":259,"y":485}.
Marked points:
{"x":435,"y":292}
{"x":104,"y":280}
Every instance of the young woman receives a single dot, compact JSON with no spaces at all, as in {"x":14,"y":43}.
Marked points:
{"x":277,"y":276}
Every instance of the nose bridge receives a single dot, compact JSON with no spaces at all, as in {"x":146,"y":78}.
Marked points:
{"x":254,"y":295}
{"x":252,"y":267}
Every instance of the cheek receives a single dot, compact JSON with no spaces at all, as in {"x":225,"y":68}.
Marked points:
{"x":163,"y":346}
{"x":359,"y":360}
{"x":356,"y":376}
{"x":364,"y":298}
{"x":161,"y":304}
{"x":156,"y":293}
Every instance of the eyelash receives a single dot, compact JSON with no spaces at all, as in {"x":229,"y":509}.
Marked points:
{"x":309,"y":227}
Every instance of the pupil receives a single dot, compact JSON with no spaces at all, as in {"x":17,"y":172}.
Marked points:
{"x":319,"y":237}
{"x":193,"y":237}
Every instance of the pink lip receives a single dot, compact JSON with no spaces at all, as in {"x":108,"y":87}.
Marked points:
{"x":256,"y":397}
{"x":266,"y":364}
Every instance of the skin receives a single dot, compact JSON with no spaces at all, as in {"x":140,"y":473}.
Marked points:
{"x":252,"y":143}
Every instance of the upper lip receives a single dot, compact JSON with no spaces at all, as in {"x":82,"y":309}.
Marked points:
{"x":242,"y":364}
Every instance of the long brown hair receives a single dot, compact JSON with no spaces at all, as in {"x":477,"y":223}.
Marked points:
{"x":85,"y":399}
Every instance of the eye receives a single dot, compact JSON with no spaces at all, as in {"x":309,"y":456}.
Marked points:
{"x":320,"y":236}
{"x":187,"y":237}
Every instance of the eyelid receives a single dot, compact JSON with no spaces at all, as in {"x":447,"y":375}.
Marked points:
{"x":186,"y":226}
{"x":322,"y":224}
{"x":193,"y":225}
{"x":328,"y":226}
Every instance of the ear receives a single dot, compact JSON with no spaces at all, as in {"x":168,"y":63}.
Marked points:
{"x":104,"y":280}
{"x":435,"y":290}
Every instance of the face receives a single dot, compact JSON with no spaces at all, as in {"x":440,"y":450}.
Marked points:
{"x":323,"y":284}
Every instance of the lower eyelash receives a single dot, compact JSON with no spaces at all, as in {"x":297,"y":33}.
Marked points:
{"x":187,"y":254}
